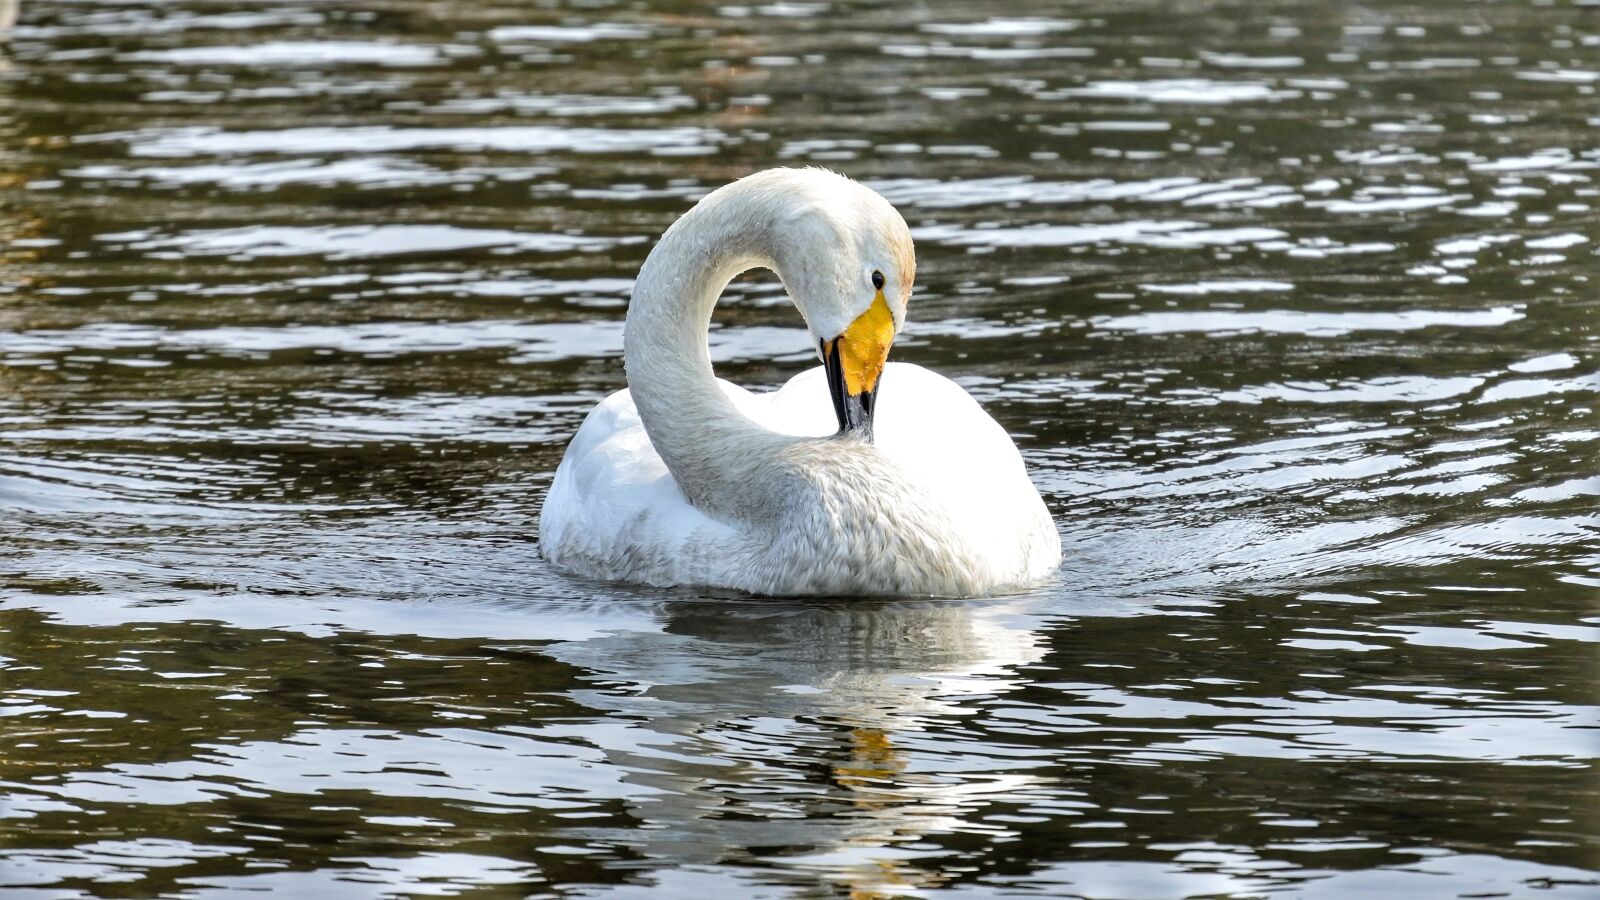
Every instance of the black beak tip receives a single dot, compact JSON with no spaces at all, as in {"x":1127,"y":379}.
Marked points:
{"x":858,"y":415}
{"x":854,"y":411}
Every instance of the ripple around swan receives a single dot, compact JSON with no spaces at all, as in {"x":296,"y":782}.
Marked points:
{"x":1003,"y":26}
{"x":349,"y":242}
{"x":1183,"y":90}
{"x":206,"y":141}
{"x":564,"y":34}
{"x":1289,"y":309}
{"x":308,"y":54}
{"x":370,"y":171}
{"x":1311,"y":324}
{"x":530,"y":342}
{"x":1184,"y":190}
{"x":113,"y":22}
{"x":1170,"y":234}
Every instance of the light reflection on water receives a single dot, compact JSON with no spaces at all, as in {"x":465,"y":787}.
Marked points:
{"x":1289,"y":307}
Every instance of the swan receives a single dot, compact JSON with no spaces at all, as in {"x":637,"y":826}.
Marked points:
{"x":684,"y":479}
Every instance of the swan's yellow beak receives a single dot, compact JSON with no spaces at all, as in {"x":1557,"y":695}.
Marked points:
{"x":854,"y":360}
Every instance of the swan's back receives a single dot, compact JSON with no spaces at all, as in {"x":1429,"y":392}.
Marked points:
{"x":942,"y":489}
{"x":613,"y":511}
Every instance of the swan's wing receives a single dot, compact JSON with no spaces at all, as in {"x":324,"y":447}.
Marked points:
{"x":802,"y":407}
{"x":939,"y":436}
{"x":924,"y":422}
{"x":614,"y":510}
{"x":933,"y":428}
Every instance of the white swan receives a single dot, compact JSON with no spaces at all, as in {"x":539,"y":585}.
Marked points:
{"x":685,"y":479}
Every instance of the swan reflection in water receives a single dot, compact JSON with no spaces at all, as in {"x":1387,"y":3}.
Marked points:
{"x":765,"y":730}
{"x":685,"y":742}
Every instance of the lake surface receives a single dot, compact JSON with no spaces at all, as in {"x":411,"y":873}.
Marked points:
{"x":1291,"y":307}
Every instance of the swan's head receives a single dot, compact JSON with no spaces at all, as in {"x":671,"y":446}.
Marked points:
{"x":845,"y":256}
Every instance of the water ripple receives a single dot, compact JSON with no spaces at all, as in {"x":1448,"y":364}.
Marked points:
{"x":1289,"y":310}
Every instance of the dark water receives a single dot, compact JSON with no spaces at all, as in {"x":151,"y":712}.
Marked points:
{"x":1292,"y":308}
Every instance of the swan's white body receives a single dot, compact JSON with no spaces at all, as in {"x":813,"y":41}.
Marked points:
{"x":685,"y":479}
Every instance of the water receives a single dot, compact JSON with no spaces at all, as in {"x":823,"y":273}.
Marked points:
{"x":1291,"y":308}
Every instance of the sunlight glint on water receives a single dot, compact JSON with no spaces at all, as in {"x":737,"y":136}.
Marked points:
{"x":1291,"y":308}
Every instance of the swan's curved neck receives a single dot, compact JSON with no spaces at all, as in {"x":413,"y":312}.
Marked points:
{"x":712,"y":449}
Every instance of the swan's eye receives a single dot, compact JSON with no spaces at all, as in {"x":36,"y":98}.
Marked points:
{"x":877,"y":280}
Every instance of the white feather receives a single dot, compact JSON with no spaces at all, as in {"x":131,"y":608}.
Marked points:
{"x":940,"y":504}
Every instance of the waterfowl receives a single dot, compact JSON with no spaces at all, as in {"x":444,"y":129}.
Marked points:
{"x":813,"y":489}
